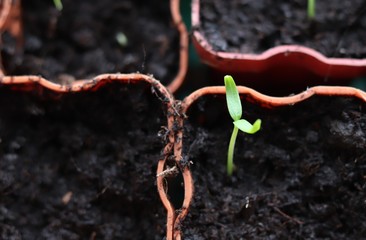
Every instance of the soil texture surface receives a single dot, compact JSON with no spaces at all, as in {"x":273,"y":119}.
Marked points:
{"x":91,"y":37}
{"x":81,"y":165}
{"x":302,"y":176}
{"x":255,"y":26}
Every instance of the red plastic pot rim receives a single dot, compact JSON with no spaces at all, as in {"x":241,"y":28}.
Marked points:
{"x":305,"y":57}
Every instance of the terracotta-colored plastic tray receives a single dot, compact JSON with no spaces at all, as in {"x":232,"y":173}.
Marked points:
{"x":10,"y":12}
{"x":290,"y":62}
{"x":176,"y":115}
{"x":172,"y":148}
{"x":10,"y":20}
{"x":10,"y":15}
{"x":183,"y":54}
{"x":269,"y":102}
{"x":264,"y":101}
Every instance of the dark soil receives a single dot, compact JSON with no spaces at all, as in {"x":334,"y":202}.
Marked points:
{"x":302,"y":176}
{"x":81,"y":165}
{"x":255,"y":26}
{"x":80,"y":41}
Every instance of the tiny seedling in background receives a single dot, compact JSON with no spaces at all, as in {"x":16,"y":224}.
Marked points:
{"x":235,"y":111}
{"x":58,"y":4}
{"x":311,"y":9}
{"x":121,"y":38}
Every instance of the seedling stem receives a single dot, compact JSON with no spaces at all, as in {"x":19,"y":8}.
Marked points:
{"x":311,"y":9}
{"x":230,"y":153}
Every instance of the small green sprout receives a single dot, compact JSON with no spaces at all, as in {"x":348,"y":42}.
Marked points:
{"x":121,"y":39}
{"x":311,"y":9}
{"x":58,"y":4}
{"x":235,"y":111}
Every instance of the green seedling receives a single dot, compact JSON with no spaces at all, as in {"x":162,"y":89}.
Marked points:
{"x":58,"y":4}
{"x":121,"y":39}
{"x":235,"y":111}
{"x":311,"y":9}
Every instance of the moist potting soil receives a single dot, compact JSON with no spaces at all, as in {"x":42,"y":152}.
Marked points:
{"x":91,"y":37}
{"x":81,"y":165}
{"x":255,"y":26}
{"x":302,"y":176}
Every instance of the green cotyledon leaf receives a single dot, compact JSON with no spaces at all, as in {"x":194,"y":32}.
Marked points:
{"x":246,"y":127}
{"x":58,"y":4}
{"x":232,"y":98}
